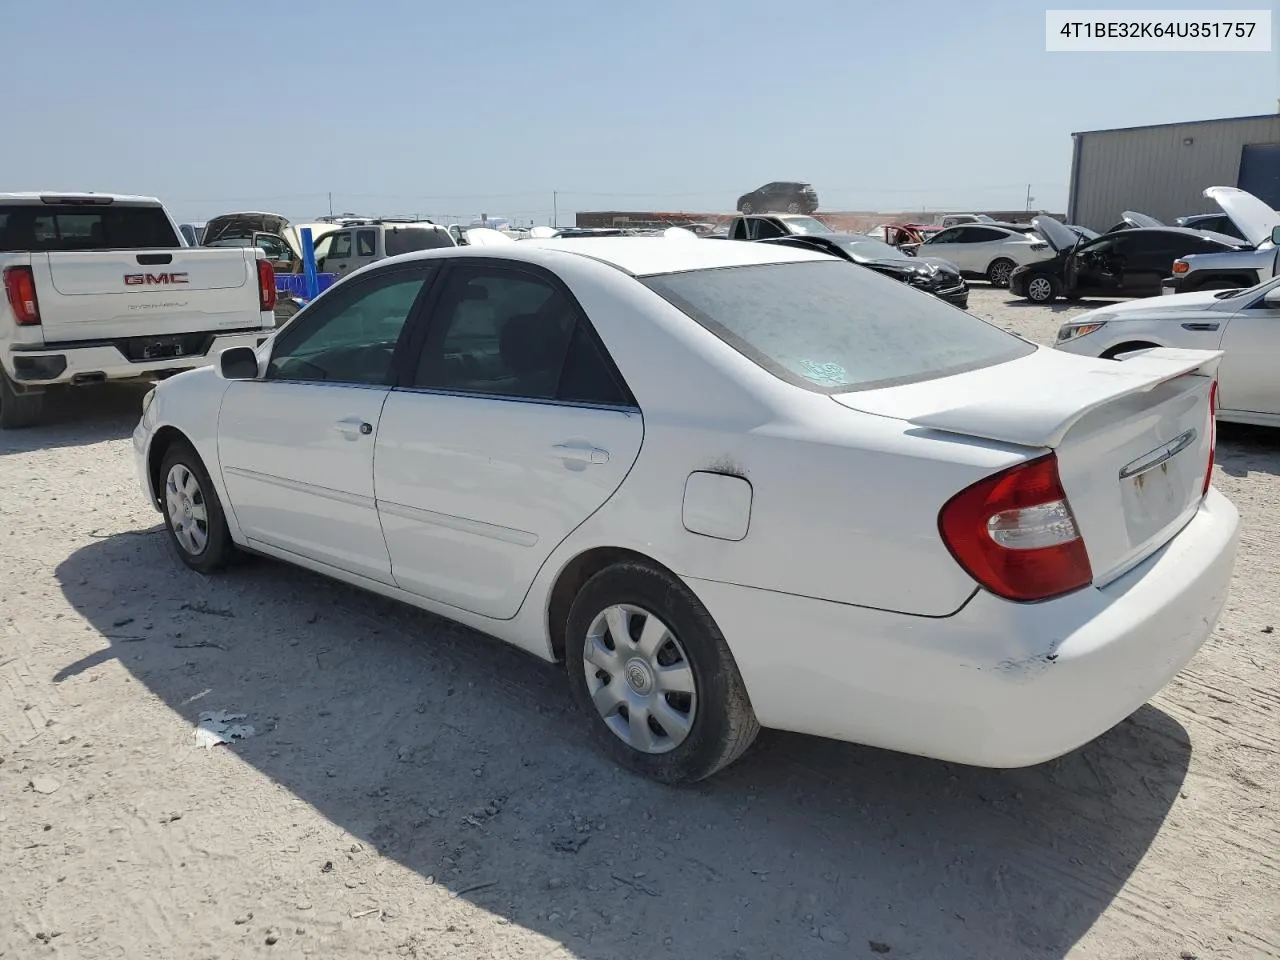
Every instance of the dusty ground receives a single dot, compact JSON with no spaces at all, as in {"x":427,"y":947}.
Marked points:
{"x":414,"y":789}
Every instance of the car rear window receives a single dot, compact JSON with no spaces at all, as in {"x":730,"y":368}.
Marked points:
{"x":54,"y":227}
{"x":835,"y":327}
{"x":400,"y":241}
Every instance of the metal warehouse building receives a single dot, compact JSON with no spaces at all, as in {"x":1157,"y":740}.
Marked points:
{"x":1163,"y":170}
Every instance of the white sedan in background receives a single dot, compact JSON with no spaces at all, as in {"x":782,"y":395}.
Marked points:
{"x":1243,"y":324}
{"x":729,"y":485}
{"x":987,"y":251}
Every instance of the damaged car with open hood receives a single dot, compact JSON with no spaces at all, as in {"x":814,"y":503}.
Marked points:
{"x":1236,"y":269}
{"x":1121,"y":263}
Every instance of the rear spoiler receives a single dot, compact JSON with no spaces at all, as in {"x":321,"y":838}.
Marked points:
{"x":1043,"y":419}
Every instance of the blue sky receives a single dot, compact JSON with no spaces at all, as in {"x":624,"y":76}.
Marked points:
{"x":440,"y":109}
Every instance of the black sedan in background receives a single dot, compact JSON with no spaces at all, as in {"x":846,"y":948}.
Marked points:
{"x":1126,"y":263}
{"x":929,"y":274}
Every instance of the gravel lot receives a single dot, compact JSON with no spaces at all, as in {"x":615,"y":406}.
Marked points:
{"x":414,"y":789}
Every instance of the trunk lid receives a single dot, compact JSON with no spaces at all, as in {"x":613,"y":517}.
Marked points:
{"x":234,"y":225}
{"x":122,"y":293}
{"x":1132,"y":438}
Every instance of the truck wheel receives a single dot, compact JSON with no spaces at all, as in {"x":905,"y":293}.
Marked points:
{"x":18,"y":407}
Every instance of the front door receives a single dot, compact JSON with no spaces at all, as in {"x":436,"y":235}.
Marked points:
{"x":341,"y":254}
{"x":513,"y":429}
{"x":296,"y":445}
{"x":1096,"y":268}
{"x":1247,"y":378}
{"x":947,"y":245}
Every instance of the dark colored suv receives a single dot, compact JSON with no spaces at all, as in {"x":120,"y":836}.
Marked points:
{"x":782,"y":196}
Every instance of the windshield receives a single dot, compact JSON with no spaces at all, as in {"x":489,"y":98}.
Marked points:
{"x":806,"y":225}
{"x":869,"y":248}
{"x":834,"y":327}
{"x":1257,"y":290}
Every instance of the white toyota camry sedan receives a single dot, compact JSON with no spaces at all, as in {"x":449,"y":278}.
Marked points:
{"x":729,"y":485}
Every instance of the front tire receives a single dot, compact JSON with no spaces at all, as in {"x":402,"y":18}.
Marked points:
{"x":793,"y":207}
{"x":1042,"y":288}
{"x":654,"y":675}
{"x":193,"y":514}
{"x":747,"y":208}
{"x":999,"y":271}
{"x":18,"y":408}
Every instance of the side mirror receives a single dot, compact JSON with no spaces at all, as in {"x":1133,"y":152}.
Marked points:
{"x":1275,"y":236}
{"x":238,"y":363}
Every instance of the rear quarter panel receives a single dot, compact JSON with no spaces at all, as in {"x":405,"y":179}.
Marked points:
{"x":844,"y":504}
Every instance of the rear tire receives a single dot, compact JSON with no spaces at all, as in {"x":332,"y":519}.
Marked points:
{"x":194,"y":520}
{"x":665,"y":699}
{"x":793,"y":207}
{"x":19,"y":408}
{"x":999,"y":271}
{"x":747,"y":209}
{"x":1042,"y":288}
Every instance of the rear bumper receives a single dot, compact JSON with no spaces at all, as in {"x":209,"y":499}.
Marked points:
{"x":997,"y":684}
{"x":72,"y":363}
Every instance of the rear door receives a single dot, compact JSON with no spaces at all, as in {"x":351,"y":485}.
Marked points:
{"x":341,"y":253}
{"x":513,"y":428}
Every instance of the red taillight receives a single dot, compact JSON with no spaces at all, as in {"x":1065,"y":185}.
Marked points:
{"x":1213,"y":436}
{"x":266,"y":286}
{"x":1015,"y":534}
{"x":20,"y":288}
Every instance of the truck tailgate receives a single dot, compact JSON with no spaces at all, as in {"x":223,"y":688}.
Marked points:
{"x":99,"y":295}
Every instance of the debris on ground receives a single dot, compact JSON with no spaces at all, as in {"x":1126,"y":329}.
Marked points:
{"x":219,"y":726}
{"x":45,"y":785}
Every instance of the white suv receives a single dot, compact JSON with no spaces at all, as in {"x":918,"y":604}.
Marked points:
{"x":360,"y":242}
{"x":986,"y":251}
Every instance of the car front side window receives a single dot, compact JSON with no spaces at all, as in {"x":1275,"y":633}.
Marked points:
{"x":350,"y":336}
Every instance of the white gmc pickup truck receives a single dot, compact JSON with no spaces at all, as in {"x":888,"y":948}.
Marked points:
{"x":102,"y":287}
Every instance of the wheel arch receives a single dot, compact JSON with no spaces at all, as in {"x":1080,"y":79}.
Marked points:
{"x":161,"y":442}
{"x":574,"y":575}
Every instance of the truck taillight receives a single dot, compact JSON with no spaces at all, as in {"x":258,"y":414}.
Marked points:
{"x":20,"y":288}
{"x":1015,"y":534}
{"x":266,"y":286}
{"x":1213,"y":436}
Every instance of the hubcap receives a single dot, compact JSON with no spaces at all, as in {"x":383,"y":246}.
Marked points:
{"x":187,"y":511}
{"x":1000,"y":273}
{"x":1039,"y":289}
{"x":640,"y":679}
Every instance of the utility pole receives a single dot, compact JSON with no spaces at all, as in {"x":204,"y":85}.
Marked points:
{"x":331,"y":204}
{"x":555,"y":208}
{"x":1029,"y":196}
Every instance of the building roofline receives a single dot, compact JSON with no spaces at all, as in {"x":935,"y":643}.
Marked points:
{"x":1181,"y":123}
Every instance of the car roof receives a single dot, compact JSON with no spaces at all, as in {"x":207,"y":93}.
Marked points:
{"x":638,"y":256}
{"x":1181,"y":231}
{"x":37,"y":196}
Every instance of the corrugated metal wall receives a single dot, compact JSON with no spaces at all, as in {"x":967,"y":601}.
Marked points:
{"x":1151,"y":170}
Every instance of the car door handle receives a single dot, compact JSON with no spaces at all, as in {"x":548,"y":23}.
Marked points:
{"x":1200,"y":326}
{"x":353,"y":427}
{"x":581,"y":453}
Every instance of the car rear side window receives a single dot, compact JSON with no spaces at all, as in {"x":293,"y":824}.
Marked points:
{"x":415,"y":238}
{"x":835,"y":327}
{"x":69,"y":227}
